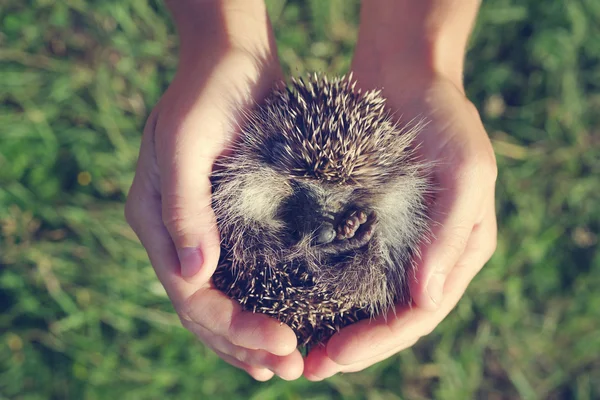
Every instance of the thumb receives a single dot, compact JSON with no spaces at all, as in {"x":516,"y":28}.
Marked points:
{"x":185,"y":156}
{"x":191,"y":223}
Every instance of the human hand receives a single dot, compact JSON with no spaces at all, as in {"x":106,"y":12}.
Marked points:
{"x":415,"y":52}
{"x":169,"y":204}
{"x":463,"y":221}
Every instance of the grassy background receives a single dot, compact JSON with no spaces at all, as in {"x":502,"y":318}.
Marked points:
{"x":82,"y":315}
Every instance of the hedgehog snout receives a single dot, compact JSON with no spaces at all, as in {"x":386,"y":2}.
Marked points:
{"x":349,"y":230}
{"x":325,"y":234}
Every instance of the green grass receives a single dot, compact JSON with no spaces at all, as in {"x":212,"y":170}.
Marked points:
{"x":82,"y":315}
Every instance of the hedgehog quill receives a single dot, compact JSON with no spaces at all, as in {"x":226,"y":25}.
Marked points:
{"x":321,"y":205}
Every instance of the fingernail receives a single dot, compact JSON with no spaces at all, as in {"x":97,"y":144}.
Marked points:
{"x":435,"y":288}
{"x":190,"y":259}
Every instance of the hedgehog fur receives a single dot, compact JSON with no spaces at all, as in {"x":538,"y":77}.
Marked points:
{"x":321,"y":206}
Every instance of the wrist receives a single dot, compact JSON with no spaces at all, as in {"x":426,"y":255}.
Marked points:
{"x":212,"y":29}
{"x":414,"y":41}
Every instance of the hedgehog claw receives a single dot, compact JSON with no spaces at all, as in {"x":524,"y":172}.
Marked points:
{"x":357,"y":224}
{"x":354,"y":230}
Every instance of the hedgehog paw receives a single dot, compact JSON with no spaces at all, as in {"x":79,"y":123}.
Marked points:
{"x":357,"y":225}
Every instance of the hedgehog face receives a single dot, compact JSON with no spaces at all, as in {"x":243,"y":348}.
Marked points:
{"x":323,"y":180}
{"x":331,"y":218}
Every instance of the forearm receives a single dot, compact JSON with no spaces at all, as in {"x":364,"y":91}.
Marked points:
{"x":218,"y":26}
{"x":428,"y":36}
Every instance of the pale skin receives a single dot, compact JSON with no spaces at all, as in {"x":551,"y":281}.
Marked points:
{"x":414,"y":51}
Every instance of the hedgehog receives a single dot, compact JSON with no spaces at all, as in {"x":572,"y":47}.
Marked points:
{"x":321,"y":204}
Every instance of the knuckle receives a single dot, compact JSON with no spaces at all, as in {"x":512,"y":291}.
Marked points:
{"x":183,"y":313}
{"x":189,"y":227}
{"x":177,"y":225}
{"x":489,"y":240}
{"x":246,"y":356}
{"x":177,"y":221}
{"x":479,"y":167}
{"x":173,"y":209}
{"x":187,"y":312}
{"x":425,"y":331}
{"x":150,"y":125}
{"x":186,"y":321}
{"x":232,"y":335}
{"x":414,"y":341}
{"x":242,"y":327}
{"x":491,"y":246}
{"x":138,"y":211}
{"x":192,"y":311}
{"x":455,"y":244}
{"x":237,"y":331}
{"x":472,"y":109}
{"x":130,"y":213}
{"x":178,"y":216}
{"x":488,"y":165}
{"x":186,"y":309}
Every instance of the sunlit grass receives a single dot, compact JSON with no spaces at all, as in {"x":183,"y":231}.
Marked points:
{"x":82,"y":314}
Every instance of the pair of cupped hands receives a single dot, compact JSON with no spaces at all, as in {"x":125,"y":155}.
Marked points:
{"x":169,"y":208}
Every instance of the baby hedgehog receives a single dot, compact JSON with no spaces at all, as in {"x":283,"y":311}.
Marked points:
{"x":321,"y":207}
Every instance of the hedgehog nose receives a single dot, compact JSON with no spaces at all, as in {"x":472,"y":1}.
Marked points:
{"x":325,"y":234}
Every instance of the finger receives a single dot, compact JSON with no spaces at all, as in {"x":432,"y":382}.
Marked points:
{"x":318,"y":365}
{"x":288,"y":367}
{"x":365,"y":339}
{"x":185,"y":152}
{"x":143,"y":213}
{"x":222,"y":316}
{"x":260,"y":374}
{"x":374,"y":360}
{"x":480,"y":249}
